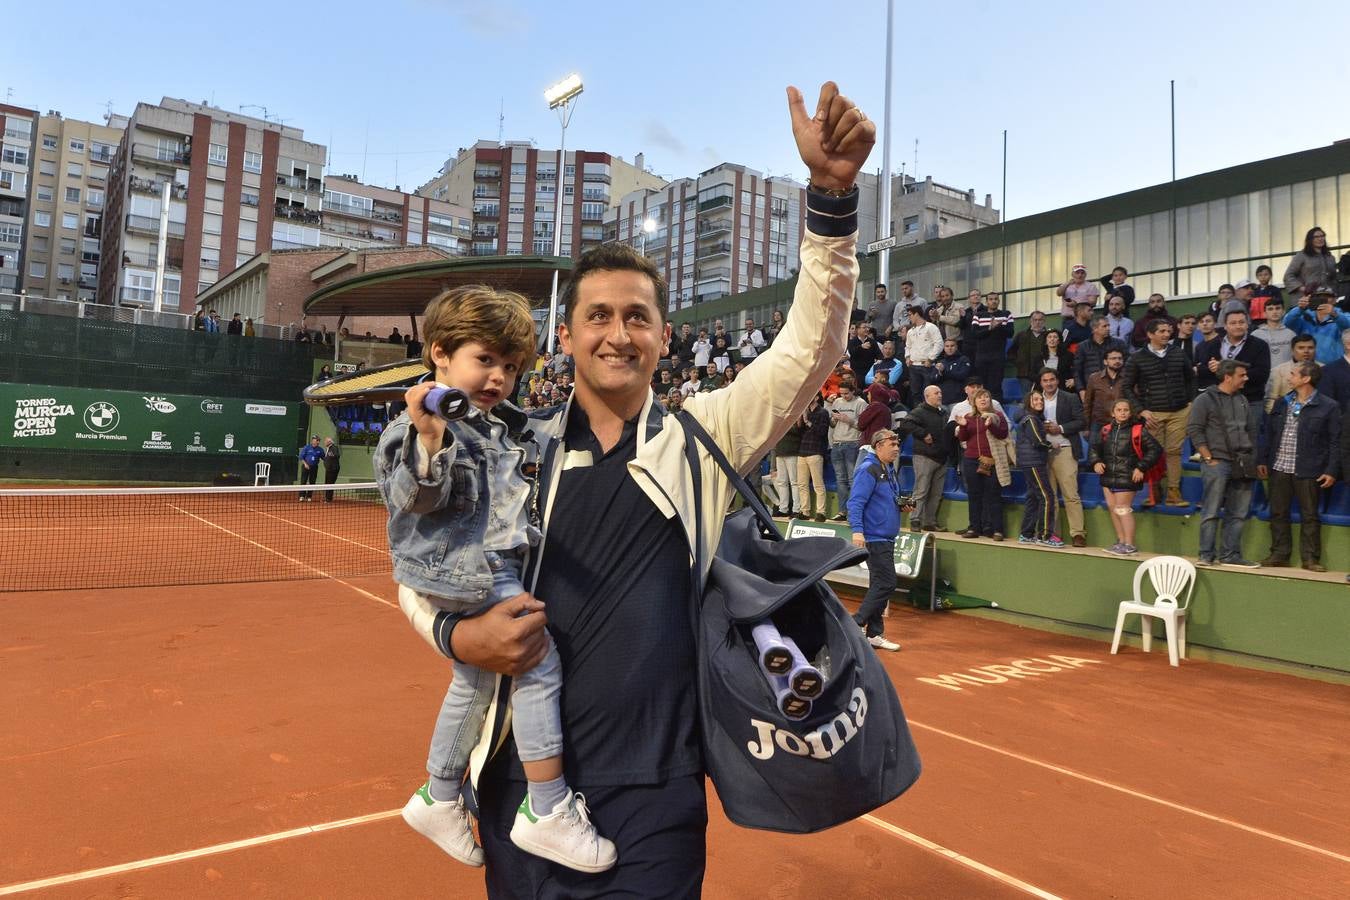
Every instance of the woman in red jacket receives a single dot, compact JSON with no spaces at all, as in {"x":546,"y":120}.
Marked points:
{"x":977,"y":467}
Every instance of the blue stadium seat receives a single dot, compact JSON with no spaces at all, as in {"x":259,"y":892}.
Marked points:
{"x":952,"y":488}
{"x":358,"y":427}
{"x":1012,"y":390}
{"x":1090,"y":490}
{"x":1014,"y":413}
{"x":1016,"y":492}
{"x":907,"y":479}
{"x":1336,"y":505}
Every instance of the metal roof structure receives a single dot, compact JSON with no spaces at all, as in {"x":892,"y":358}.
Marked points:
{"x":405,"y":290}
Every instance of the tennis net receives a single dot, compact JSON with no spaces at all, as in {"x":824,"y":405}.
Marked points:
{"x":141,"y":537}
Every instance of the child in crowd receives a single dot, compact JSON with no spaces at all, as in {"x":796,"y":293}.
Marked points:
{"x":1126,"y":456}
{"x":1033,"y":459}
{"x":461,"y":523}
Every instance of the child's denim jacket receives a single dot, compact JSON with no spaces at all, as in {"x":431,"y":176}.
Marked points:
{"x":442,"y":510}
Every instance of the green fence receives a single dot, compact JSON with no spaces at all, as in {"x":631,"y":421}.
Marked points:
{"x":78,"y":352}
{"x":91,"y":434}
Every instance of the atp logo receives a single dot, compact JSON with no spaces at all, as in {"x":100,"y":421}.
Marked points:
{"x":159,"y":405}
{"x":101,"y":417}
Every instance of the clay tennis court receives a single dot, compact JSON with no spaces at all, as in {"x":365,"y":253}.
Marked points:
{"x":258,"y":739}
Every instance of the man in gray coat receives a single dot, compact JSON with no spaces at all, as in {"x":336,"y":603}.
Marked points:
{"x":1220,"y":431}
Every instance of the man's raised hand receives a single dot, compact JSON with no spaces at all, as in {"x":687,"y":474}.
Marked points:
{"x":835,"y":142}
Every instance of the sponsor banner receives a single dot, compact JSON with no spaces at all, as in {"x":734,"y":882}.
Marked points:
{"x":67,"y":418}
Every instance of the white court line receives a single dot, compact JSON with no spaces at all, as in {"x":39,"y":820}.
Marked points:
{"x":152,"y":862}
{"x":958,"y":858}
{"x":327,"y":534}
{"x":320,"y":572}
{"x":215,"y":849}
{"x":1250,"y":829}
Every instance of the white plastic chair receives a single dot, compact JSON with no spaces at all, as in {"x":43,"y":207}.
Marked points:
{"x":262,"y":474}
{"x":1173,"y":580}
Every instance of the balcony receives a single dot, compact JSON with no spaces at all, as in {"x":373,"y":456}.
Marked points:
{"x":486,"y":212}
{"x":172,"y":260}
{"x":164,"y":156}
{"x":156,"y":187}
{"x":89,"y":257}
{"x":595,"y":178}
{"x":483,"y":251}
{"x":715,"y":203}
{"x":362,"y":233}
{"x":300,"y":183}
{"x":93,"y":230}
{"x":147,"y":225}
{"x":598,"y":216}
{"x":12,"y":208}
{"x":487,"y":174}
{"x":717,"y":227}
{"x":385,"y":214}
{"x":105,"y":158}
{"x":347,"y":209}
{"x":95,"y":177}
{"x":88,"y":282}
{"x":712,"y":250}
{"x":482,"y":192}
{"x":599,"y":194}
{"x":298,"y":214}
{"x":485,"y":231}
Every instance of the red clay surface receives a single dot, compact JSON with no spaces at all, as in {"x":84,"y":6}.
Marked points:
{"x":146,"y":722}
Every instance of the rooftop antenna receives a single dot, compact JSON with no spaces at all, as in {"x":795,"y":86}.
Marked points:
{"x":365,"y":152}
{"x":9,"y":94}
{"x":107,"y":111}
{"x":244,"y":106}
{"x":501,"y":121}
{"x":916,"y":157}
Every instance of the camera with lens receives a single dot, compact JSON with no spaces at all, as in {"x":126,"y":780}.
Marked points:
{"x":905,"y":502}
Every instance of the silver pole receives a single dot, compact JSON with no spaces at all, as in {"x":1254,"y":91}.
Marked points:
{"x":1003,"y":220}
{"x":884,"y":217}
{"x":1176,"y":276}
{"x":162,"y":245}
{"x":563,"y":115}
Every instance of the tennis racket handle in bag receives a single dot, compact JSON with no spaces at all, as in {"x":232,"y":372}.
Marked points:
{"x":805,"y":679}
{"x":447,"y":402}
{"x":774,"y":656}
{"x":789,"y":704}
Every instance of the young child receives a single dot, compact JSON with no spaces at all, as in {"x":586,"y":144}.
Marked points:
{"x":460,"y":527}
{"x":1127,"y":457}
{"x":1033,"y":459}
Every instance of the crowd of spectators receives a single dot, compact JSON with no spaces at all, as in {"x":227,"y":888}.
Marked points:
{"x":1120,"y":401}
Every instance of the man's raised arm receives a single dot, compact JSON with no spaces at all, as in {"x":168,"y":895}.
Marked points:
{"x":752,"y":413}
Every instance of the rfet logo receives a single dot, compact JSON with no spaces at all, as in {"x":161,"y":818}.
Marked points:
{"x":159,"y":404}
{"x":101,"y":417}
{"x":211,"y":406}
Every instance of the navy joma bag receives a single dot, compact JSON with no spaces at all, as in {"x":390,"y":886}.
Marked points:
{"x":853,"y":752}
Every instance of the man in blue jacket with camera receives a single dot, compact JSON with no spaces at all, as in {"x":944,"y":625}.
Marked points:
{"x":874,"y":517}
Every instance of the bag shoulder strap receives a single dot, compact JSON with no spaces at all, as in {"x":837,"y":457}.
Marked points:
{"x":692,"y":427}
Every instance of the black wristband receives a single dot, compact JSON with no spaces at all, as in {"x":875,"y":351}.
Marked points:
{"x":443,"y":630}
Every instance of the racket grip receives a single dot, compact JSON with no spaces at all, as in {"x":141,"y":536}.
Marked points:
{"x":773,"y":654}
{"x":804,"y":679}
{"x":447,"y":402}
{"x":789,"y":704}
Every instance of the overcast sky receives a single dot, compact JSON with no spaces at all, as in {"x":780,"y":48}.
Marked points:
{"x":395,"y":86}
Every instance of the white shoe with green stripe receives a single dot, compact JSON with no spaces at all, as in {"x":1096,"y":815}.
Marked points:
{"x":565,"y":836}
{"x":445,"y":824}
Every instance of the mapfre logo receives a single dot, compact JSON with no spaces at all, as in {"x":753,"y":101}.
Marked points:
{"x":159,"y":404}
{"x":823,"y":743}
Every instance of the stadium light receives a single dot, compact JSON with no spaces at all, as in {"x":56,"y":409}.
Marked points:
{"x":563,"y":91}
{"x":560,"y":97}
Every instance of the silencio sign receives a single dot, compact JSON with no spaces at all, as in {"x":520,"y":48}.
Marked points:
{"x":65,"y":418}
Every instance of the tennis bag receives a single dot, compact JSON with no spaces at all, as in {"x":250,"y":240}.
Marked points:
{"x":853,"y":752}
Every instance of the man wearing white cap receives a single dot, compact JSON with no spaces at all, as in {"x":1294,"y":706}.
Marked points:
{"x":1241,"y":301}
{"x":1077,"y":290}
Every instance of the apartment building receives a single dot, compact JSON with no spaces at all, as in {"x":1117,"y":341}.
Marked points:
{"x":227,"y":174}
{"x":69,"y":194}
{"x":359,"y":216}
{"x":729,"y":230}
{"x":926,"y":211}
{"x":513,"y":188}
{"x":17,"y":150}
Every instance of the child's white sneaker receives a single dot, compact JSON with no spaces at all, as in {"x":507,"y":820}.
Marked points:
{"x":565,"y":836}
{"x":445,"y":824}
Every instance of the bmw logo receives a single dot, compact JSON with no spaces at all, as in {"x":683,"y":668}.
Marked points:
{"x":101,"y":417}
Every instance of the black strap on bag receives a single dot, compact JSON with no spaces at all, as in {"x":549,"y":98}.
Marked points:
{"x":852,"y":752}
